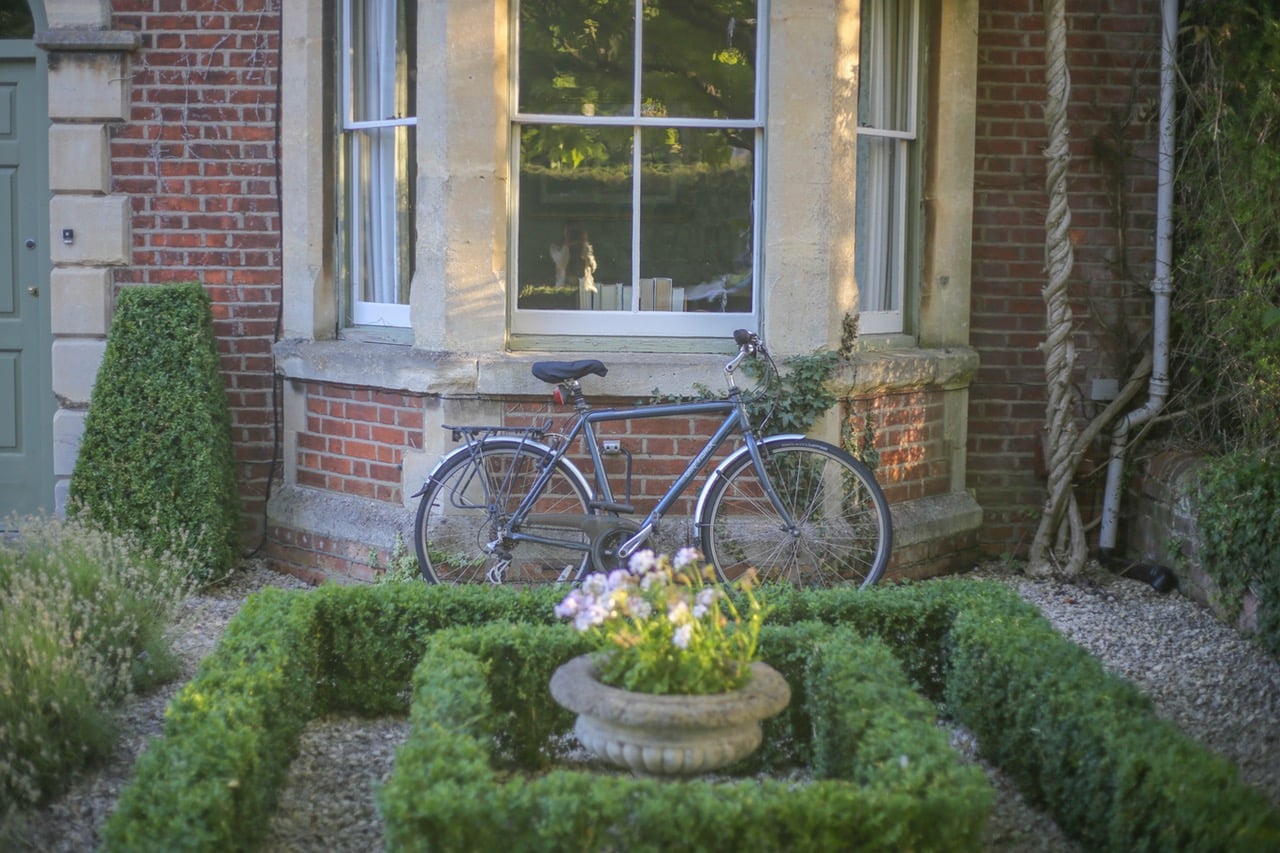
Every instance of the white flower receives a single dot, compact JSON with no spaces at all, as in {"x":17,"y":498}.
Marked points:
{"x":595,"y":584}
{"x":682,"y":636}
{"x":570,"y":606}
{"x":642,"y":562}
{"x":685,"y":556}
{"x":639,"y":607}
{"x":590,"y":616}
{"x":702,"y":604}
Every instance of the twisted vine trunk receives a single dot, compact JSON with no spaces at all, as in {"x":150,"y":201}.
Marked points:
{"x":1059,"y":541}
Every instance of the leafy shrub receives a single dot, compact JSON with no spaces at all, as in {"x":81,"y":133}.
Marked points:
{"x":156,"y":457}
{"x":1239,"y":519}
{"x":211,"y":782}
{"x":1084,"y":743}
{"x":84,"y":619}
{"x":1227,"y":294}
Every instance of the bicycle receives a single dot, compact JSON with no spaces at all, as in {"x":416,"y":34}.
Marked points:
{"x":509,"y":506}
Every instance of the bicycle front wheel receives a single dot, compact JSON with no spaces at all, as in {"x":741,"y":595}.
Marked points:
{"x":843,"y":531}
{"x":459,"y":531}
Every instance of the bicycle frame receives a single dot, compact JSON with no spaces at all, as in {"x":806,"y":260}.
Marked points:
{"x":735,"y":420}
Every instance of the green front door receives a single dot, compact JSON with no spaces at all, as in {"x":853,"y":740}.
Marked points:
{"x":26,"y":386}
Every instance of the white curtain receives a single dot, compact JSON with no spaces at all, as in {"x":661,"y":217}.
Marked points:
{"x":377,"y":185}
{"x":886,"y":130}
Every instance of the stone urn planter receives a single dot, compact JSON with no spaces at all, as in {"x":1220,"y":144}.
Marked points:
{"x":674,"y":735}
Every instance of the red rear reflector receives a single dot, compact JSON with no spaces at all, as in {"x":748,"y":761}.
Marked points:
{"x":558,"y":395}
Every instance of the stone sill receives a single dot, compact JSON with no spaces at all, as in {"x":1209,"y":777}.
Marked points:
{"x":402,"y":368}
{"x":95,"y":41}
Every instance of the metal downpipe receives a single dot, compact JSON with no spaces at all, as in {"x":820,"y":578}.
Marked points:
{"x":1161,"y":286}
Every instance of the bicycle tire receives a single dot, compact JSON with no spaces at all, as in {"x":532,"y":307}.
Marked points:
{"x":454,"y":522}
{"x":741,"y":529}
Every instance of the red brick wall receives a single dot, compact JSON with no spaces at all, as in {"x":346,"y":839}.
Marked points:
{"x":907,"y":429}
{"x":197,"y":156}
{"x":1114,"y":58}
{"x":355,"y":438}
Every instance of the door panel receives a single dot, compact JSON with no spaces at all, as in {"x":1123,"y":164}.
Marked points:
{"x":26,"y":395}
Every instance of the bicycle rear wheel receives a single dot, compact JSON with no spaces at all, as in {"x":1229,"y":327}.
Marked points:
{"x":843,"y":528}
{"x":458,"y":529}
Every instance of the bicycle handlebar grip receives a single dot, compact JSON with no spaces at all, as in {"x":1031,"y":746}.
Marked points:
{"x":742,"y":337}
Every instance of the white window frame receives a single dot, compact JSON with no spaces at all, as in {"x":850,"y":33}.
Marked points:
{"x":885,"y":179}
{"x":382,"y":231}
{"x":634,"y":322}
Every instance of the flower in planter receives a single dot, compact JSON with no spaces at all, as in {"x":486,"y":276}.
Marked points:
{"x":663,"y":626}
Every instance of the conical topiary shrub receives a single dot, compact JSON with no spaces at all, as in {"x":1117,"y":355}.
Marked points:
{"x":156,"y":457}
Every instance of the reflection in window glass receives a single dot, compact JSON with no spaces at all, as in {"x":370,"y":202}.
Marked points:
{"x":699,"y":59}
{"x":575,"y":221}
{"x":695,"y":218}
{"x":577,"y":58}
{"x":637,"y":183}
{"x":15,"y":20}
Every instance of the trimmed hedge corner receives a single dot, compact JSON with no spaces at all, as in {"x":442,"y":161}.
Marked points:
{"x":1081,"y":742}
{"x":156,"y":458}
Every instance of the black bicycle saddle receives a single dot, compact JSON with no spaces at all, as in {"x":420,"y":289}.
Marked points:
{"x":563,"y":371}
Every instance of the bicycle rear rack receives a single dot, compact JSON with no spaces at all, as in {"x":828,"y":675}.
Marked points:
{"x":479,"y":433}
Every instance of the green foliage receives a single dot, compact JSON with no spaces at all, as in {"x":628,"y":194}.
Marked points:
{"x":156,"y":458}
{"x":84,"y":620}
{"x":1238,"y":507}
{"x":1227,"y":285}
{"x":797,"y":398}
{"x":788,"y":402}
{"x":402,"y":565}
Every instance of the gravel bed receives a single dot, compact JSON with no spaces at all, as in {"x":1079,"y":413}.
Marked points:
{"x":1218,"y":687}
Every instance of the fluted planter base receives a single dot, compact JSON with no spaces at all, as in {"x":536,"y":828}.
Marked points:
{"x":678,"y":735}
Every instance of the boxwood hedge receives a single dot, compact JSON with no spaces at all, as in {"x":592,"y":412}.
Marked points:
{"x":867,"y":669}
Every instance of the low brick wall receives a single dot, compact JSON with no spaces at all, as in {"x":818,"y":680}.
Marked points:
{"x":1162,"y":528}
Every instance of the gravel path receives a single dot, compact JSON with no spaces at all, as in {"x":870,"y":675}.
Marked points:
{"x":1218,"y":687}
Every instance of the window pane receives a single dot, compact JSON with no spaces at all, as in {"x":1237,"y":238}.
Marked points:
{"x":15,"y":20}
{"x":575,"y":218}
{"x":696,"y":202}
{"x":577,"y":57}
{"x":378,"y":165}
{"x":888,"y":74}
{"x":383,"y":62}
{"x":879,"y":237}
{"x":380,"y":213}
{"x":699,"y":59}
